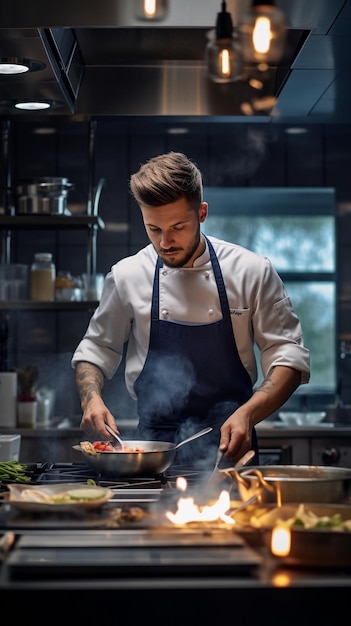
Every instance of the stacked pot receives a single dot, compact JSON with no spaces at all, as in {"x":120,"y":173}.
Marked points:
{"x":46,"y":195}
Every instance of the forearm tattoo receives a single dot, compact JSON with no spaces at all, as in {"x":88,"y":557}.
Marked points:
{"x":89,"y":379}
{"x":267,"y":384}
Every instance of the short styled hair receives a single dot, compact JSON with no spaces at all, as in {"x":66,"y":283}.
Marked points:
{"x":166,"y":178}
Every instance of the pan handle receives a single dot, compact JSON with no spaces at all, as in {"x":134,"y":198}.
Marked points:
{"x":195,"y":436}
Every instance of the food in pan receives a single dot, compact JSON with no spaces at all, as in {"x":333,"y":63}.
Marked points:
{"x":123,"y":515}
{"x":88,"y":448}
{"x":68,"y":498}
{"x":306,"y":519}
{"x":73,"y":496}
{"x":106,"y":446}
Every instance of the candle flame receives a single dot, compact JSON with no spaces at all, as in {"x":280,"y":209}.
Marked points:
{"x":281,"y":541}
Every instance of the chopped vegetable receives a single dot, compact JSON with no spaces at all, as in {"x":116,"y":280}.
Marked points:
{"x":108,"y":446}
{"x":13,"y":471}
{"x":103,"y":446}
{"x":308,"y":520}
{"x":83,"y":494}
{"x":70,"y":496}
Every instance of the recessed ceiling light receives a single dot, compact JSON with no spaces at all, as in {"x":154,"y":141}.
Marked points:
{"x":32,"y":106}
{"x":13,"y":68}
{"x":15,"y":65}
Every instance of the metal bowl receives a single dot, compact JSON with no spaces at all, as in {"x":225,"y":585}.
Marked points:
{"x":293,"y":483}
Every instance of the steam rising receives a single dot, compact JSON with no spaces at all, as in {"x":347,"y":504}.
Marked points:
{"x":174,"y":377}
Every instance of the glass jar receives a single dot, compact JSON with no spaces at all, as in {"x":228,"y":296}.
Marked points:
{"x":42,"y":278}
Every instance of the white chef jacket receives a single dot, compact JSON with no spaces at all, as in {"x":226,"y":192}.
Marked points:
{"x":260,"y":309}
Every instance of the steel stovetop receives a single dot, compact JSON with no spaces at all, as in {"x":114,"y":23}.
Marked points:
{"x":154,"y":493}
{"x":98,"y":544}
{"x":79,"y":472}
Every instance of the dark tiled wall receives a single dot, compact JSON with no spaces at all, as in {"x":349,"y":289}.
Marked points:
{"x":229,"y":154}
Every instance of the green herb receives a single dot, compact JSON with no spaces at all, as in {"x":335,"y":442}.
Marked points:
{"x":330,"y":522}
{"x":13,"y":471}
{"x":299,"y":522}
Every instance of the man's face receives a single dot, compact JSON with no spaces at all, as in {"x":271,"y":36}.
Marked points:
{"x":174,"y":231}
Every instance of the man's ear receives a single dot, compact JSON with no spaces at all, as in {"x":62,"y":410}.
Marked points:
{"x":203,"y":210}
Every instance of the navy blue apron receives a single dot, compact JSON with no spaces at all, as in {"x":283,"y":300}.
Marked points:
{"x":192,"y":377}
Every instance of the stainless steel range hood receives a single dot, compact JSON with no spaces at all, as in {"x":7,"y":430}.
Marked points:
{"x":102,"y":60}
{"x":132,"y":71}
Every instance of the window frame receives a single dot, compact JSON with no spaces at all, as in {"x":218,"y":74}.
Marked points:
{"x":290,"y":202}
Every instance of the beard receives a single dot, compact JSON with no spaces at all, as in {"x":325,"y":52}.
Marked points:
{"x":182,"y":257}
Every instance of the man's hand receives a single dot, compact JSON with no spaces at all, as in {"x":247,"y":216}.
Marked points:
{"x":95,"y":416}
{"x":236,"y":432}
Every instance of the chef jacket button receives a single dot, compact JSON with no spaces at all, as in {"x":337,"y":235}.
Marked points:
{"x":207,"y":274}
{"x":210,"y":311}
{"x":164,"y":272}
{"x":164,"y":312}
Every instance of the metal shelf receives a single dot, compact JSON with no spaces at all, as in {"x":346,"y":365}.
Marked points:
{"x":29,"y":305}
{"x":51,"y":221}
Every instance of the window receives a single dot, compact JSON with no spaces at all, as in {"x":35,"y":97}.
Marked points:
{"x":295,"y":229}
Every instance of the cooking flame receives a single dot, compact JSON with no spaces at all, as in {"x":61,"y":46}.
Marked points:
{"x":188,"y":511}
{"x":181,"y":483}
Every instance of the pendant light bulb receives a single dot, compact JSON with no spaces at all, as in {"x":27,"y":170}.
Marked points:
{"x":151,"y":10}
{"x":222,"y":57}
{"x":263,"y":33}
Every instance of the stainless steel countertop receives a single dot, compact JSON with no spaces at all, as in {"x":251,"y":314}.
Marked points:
{"x":264,"y":430}
{"x":278,"y":430}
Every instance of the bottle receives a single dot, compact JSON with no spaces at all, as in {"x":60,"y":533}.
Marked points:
{"x":42,"y":278}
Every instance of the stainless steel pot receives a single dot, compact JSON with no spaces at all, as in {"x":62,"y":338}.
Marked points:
{"x":292,"y":483}
{"x":156,"y":457}
{"x":47,"y":195}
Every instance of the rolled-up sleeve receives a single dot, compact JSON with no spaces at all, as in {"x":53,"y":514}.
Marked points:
{"x":107,"y":332}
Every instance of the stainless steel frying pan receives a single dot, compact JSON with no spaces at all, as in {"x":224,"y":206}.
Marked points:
{"x":155,"y":458}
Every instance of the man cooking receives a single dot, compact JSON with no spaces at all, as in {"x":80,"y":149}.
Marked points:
{"x":190,"y":309}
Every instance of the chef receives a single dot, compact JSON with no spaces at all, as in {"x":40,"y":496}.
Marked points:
{"x":190,"y":308}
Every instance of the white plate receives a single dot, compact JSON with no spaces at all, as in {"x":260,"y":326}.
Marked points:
{"x":17,"y":498}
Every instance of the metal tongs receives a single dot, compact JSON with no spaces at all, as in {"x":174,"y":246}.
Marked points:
{"x":112,"y":432}
{"x":218,"y":475}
